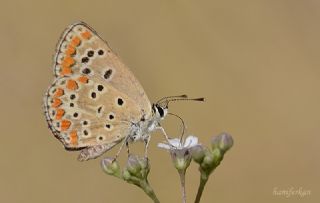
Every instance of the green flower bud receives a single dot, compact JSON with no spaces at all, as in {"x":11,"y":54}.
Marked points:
{"x":144,"y":163}
{"x":223,"y":142}
{"x":217,"y":156}
{"x":126,"y":175}
{"x":133,"y":165}
{"x":110,"y":166}
{"x":208,"y":161}
{"x":181,"y":158}
{"x":198,"y":153}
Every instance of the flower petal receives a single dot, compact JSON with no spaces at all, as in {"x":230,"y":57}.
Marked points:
{"x":190,"y":141}
{"x":175,"y":142}
{"x":164,"y":146}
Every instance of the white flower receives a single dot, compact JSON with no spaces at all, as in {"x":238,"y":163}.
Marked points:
{"x":175,"y":143}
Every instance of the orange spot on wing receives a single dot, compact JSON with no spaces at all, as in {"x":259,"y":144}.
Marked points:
{"x":75,"y":41}
{"x":65,"y":124}
{"x":59,"y":114}
{"x":72,"y":84}
{"x":66,"y":70}
{"x":58,"y":93}
{"x":56,"y":102}
{"x":83,"y":79}
{"x":74,"y":137}
{"x":86,"y":35}
{"x":68,"y":61}
{"x":71,"y":50}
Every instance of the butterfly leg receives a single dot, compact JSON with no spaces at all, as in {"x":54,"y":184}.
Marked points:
{"x":146,"y":142}
{"x":127,"y":146}
{"x":163,"y":132}
{"x":125,"y":142}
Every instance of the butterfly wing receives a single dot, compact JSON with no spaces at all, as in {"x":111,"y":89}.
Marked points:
{"x":94,"y":98}
{"x":74,"y":51}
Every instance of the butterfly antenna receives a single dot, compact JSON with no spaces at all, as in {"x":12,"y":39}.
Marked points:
{"x":183,"y":99}
{"x":183,"y":125}
{"x":171,"y":97}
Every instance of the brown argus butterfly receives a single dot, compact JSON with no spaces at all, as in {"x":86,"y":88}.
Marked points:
{"x":95,"y":102}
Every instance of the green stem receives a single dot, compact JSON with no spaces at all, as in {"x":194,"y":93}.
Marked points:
{"x":203,"y":181}
{"x":183,"y":185}
{"x":144,"y":185}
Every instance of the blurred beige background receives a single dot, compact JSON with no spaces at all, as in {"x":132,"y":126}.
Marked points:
{"x":256,"y":62}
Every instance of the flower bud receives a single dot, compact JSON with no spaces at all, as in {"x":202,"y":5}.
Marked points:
{"x":144,"y":163}
{"x":133,"y":165}
{"x":207,"y":162}
{"x":223,"y":142}
{"x":198,"y":153}
{"x":110,"y":166}
{"x":126,"y":175}
{"x":217,"y":156}
{"x":181,"y":158}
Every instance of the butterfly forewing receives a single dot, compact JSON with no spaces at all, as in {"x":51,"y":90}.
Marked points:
{"x":94,"y":98}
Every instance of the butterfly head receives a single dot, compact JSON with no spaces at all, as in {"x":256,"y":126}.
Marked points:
{"x":160,"y":110}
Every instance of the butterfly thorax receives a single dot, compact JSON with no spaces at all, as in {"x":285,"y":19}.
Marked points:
{"x":141,"y":130}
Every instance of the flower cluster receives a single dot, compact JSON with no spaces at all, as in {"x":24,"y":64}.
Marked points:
{"x":208,"y":158}
{"x":136,"y":172}
{"x":182,"y":152}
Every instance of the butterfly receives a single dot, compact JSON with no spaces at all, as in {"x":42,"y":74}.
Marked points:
{"x":95,"y":101}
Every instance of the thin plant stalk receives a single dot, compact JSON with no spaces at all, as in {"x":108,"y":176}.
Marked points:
{"x":203,"y":181}
{"x":183,"y":185}
{"x":149,"y":191}
{"x":145,"y":186}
